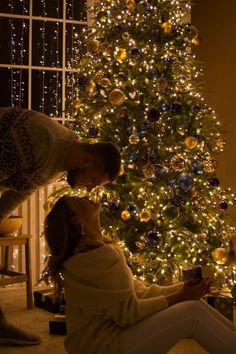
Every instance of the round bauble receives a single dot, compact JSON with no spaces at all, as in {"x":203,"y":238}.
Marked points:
{"x":190,"y":142}
{"x":170,"y":212}
{"x":145,"y":215}
{"x":125,"y":215}
{"x":149,"y":170}
{"x":102,"y":16}
{"x":153,"y":237}
{"x":134,"y":139}
{"x":220,"y":255}
{"x":116,"y":97}
{"x":185,"y":181}
{"x":120,"y":54}
{"x":167,"y":27}
{"x":77,"y":103}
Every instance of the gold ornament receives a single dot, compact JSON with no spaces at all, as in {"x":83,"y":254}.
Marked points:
{"x":93,"y":46}
{"x":167,"y":27}
{"x":105,"y":82}
{"x":81,"y":192}
{"x":190,"y":142}
{"x":117,"y":97}
{"x":177,"y":163}
{"x":48,"y":206}
{"x":120,"y":54}
{"x":162,"y":84}
{"x":209,"y":165}
{"x":99,"y":76}
{"x":145,"y":215}
{"x":134,"y":139}
{"x":194,"y":192}
{"x":196,"y":40}
{"x":149,"y":170}
{"x":220,"y":255}
{"x":125,"y":215}
{"x":130,"y":4}
{"x":122,"y":170}
{"x":77,"y":103}
{"x":91,"y":86}
{"x":176,"y":68}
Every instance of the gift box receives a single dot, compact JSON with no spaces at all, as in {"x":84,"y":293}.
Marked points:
{"x":222,"y":301}
{"x":58,"y":325}
{"x":46,"y":300}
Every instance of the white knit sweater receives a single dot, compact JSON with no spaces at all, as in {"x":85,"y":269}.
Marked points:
{"x":103,"y":299}
{"x":33,"y":148}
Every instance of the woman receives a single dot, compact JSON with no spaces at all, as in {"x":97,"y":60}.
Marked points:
{"x":108,"y":311}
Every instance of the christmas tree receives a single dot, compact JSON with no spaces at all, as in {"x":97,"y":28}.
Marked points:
{"x":139,"y":85}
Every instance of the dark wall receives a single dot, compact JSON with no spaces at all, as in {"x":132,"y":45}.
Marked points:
{"x":216,"y":20}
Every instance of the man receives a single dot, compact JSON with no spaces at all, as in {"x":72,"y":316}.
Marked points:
{"x":34,"y":151}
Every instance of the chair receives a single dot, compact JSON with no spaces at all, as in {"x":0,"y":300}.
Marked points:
{"x":10,"y":276}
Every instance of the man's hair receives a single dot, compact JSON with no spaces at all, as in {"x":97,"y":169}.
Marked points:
{"x":110,"y":157}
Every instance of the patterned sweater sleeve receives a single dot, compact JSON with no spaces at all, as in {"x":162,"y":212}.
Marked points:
{"x":10,"y":200}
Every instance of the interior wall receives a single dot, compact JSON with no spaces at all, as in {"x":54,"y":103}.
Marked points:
{"x":216,"y":21}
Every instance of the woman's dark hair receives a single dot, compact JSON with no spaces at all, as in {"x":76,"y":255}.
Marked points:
{"x":62,"y":237}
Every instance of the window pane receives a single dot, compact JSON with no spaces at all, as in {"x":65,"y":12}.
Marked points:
{"x":14,"y":41}
{"x":47,"y":92}
{"x":15,"y":84}
{"x":48,"y":8}
{"x":14,"y":7}
{"x":47,"y":44}
{"x":76,"y":10}
{"x":75,"y":48}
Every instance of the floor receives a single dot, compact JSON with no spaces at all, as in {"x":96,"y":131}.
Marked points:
{"x":13,"y":302}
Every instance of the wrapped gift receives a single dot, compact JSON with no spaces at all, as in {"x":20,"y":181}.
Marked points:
{"x":222,"y":301}
{"x":58,"y":325}
{"x":46,"y":300}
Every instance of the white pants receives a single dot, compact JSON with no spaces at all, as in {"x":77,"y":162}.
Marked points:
{"x":196,"y":319}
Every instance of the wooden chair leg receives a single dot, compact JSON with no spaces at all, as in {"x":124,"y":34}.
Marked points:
{"x":29,"y":290}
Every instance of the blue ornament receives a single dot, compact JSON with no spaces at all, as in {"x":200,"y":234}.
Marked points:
{"x":83,"y":81}
{"x":197,"y":167}
{"x":141,"y":130}
{"x":149,"y":157}
{"x":146,"y":124}
{"x":223,"y":205}
{"x":185,"y":182}
{"x":113,"y":206}
{"x":120,"y":28}
{"x":146,"y":5}
{"x":134,"y":156}
{"x":132,"y":208}
{"x":153,"y":74}
{"x":195,"y":108}
{"x":93,"y":131}
{"x":153,"y":237}
{"x":153,"y":115}
{"x":175,"y":108}
{"x":160,"y":170}
{"x":134,"y":52}
{"x":165,"y":107}
{"x":214,"y":182}
{"x":177,"y":200}
{"x":170,"y":185}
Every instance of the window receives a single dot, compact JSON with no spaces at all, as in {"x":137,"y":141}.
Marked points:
{"x":39,"y":53}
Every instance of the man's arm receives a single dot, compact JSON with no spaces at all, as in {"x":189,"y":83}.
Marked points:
{"x":10,"y":200}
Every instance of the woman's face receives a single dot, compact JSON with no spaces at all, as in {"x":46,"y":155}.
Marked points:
{"x":83,"y":208}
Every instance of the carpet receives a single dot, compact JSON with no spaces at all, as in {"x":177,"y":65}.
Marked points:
{"x":13,"y":303}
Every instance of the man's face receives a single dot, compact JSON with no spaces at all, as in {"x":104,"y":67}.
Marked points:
{"x":88,"y":177}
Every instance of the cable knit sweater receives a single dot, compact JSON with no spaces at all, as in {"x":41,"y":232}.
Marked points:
{"x":103,"y":299}
{"x":33,"y":148}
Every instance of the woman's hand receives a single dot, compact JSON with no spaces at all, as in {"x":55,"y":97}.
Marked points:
{"x":193,"y":290}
